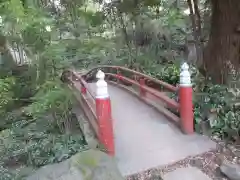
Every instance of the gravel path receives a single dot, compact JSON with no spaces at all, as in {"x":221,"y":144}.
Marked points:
{"x":208,"y":163}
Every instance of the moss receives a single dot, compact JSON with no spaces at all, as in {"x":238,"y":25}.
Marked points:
{"x":88,"y":158}
{"x":86,"y":162}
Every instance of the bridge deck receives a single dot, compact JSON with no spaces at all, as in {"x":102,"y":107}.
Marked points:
{"x":144,"y":138}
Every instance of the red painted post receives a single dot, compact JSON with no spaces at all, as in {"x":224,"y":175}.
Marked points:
{"x":104,"y":115}
{"x":118,"y":76}
{"x":142,"y":91}
{"x":185,"y":96}
{"x":83,"y":89}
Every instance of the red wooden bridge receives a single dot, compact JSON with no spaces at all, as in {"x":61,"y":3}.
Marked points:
{"x":134,"y":118}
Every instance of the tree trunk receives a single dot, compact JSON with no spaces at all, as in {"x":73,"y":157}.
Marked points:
{"x":223,"y":48}
{"x":196,"y":26}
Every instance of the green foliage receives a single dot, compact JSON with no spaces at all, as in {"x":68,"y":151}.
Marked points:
{"x":18,"y":174}
{"x":93,"y":18}
{"x":168,"y":73}
{"x":215,"y":106}
{"x":25,"y":85}
{"x":6,"y":174}
{"x":219,"y":106}
{"x":35,"y":144}
{"x":52,"y":97}
{"x":6,"y":94}
{"x":38,"y":138}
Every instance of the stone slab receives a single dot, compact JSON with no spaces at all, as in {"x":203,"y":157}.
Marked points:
{"x":189,"y":173}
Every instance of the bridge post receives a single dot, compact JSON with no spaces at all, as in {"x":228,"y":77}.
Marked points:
{"x":83,"y":89}
{"x":118,"y":76}
{"x":185,"y":96}
{"x":104,"y":115}
{"x":142,"y":83}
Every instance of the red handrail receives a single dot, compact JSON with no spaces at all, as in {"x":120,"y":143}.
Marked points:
{"x":166,"y":99}
{"x":77,"y":82}
{"x":102,"y":115}
{"x":83,"y":83}
{"x":162,"y":83}
{"x":137,"y":79}
{"x":169,"y":101}
{"x":140,"y":79}
{"x":172,"y":103}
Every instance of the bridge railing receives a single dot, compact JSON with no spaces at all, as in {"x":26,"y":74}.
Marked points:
{"x":86,"y":98}
{"x":149,"y":89}
{"x":96,"y":106}
{"x":153,"y":91}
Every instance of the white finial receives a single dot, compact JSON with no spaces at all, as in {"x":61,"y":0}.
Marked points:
{"x":100,"y":75}
{"x":185,"y":76}
{"x":185,"y":67}
{"x":1,"y":21}
{"x":101,"y":85}
{"x":48,"y":28}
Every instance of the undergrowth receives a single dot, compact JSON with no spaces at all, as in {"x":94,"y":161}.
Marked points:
{"x":37,"y":126}
{"x":216,"y":107}
{"x":32,"y":145}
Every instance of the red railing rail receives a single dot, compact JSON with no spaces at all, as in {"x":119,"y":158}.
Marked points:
{"x":122,"y":75}
{"x":84,"y":96}
{"x":138,"y":75}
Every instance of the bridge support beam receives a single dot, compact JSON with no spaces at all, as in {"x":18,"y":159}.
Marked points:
{"x":185,"y":96}
{"x":104,"y":115}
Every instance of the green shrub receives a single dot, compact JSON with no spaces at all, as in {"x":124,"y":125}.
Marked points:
{"x":52,"y":96}
{"x":6,"y":94}
{"x":35,"y":143}
{"x":219,"y":107}
{"x":169,"y":73}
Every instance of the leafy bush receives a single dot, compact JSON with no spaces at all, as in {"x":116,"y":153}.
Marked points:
{"x":215,"y":106}
{"x":55,"y":98}
{"x":6,"y":94}
{"x":36,"y":144}
{"x":25,"y":86}
{"x":18,"y":174}
{"x":219,"y":107}
{"x":6,"y":174}
{"x":169,"y":73}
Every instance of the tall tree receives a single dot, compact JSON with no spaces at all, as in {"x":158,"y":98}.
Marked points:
{"x":223,"y":49}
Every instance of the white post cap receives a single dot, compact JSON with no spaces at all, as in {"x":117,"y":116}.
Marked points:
{"x":184,"y":66}
{"x":101,"y":86}
{"x":1,"y":21}
{"x":185,"y":76}
{"x":100,"y":75}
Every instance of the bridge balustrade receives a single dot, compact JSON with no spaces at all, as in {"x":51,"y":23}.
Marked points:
{"x":96,"y":102}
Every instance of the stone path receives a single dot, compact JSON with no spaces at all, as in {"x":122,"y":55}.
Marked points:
{"x":188,"y":173}
{"x":144,"y":138}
